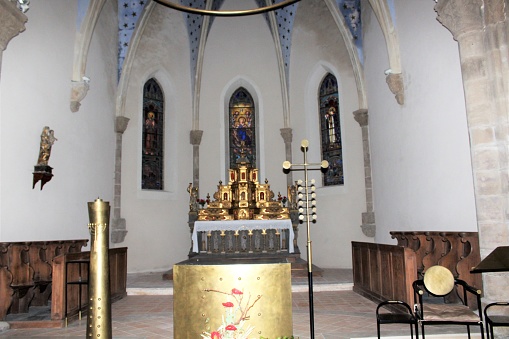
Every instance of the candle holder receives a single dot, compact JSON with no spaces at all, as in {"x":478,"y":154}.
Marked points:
{"x":307,"y":213}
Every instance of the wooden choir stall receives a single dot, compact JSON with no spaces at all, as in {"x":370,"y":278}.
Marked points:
{"x":52,"y":274}
{"x":386,"y":272}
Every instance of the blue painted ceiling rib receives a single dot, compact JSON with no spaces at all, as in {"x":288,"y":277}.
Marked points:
{"x":351,"y":10}
{"x":129,"y":13}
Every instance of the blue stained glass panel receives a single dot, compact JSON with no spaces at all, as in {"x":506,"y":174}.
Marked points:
{"x":241,"y":120}
{"x":153,"y":137}
{"x":330,"y":131}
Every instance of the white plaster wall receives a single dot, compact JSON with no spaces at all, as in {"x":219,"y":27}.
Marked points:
{"x":35,"y":92}
{"x":158,"y":234}
{"x":422,"y":177}
{"x":315,"y":52}
{"x":240,"y":52}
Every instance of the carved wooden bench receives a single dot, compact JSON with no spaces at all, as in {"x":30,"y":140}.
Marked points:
{"x":26,"y":272}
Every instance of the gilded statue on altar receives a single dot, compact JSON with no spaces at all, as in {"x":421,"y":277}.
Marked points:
{"x":243,"y":198}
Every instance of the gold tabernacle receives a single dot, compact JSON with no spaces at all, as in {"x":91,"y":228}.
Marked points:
{"x":240,"y":300}
{"x":244,"y":198}
{"x":99,"y":310}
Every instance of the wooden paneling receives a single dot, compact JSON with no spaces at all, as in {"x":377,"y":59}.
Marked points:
{"x":384,"y":272}
{"x":26,"y":272}
{"x":69,"y":265}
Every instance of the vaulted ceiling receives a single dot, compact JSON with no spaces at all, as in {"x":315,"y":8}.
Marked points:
{"x":280,"y":23}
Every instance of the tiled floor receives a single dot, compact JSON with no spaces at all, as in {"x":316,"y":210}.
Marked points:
{"x":338,"y":312}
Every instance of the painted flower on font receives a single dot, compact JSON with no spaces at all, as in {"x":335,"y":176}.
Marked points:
{"x":236,"y":291}
{"x":231,"y":328}
{"x":235,"y":315}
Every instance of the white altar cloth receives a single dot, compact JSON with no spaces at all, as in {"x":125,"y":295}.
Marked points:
{"x":239,"y":225}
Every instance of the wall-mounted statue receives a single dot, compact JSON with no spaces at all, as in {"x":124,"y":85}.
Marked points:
{"x":42,"y":171}
{"x":47,"y":141}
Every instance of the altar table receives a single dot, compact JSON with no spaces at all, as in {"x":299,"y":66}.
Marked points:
{"x":239,"y":225}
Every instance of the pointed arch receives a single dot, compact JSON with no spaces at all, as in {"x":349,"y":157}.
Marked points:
{"x":250,"y":86}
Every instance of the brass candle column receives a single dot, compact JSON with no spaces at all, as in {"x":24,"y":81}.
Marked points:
{"x":99,"y":306}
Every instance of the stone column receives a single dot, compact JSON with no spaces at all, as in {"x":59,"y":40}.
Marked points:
{"x":481,"y":29}
{"x":287,"y":135}
{"x":12,"y":22}
{"x":195,"y":139}
{"x":118,"y":225}
{"x":368,"y":218}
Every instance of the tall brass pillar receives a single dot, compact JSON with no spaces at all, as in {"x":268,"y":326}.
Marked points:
{"x":99,"y":306}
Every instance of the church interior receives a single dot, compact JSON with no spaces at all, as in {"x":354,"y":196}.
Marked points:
{"x":182,"y":119}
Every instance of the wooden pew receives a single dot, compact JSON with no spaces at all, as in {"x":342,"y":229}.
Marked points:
{"x":22,"y":276}
{"x":42,"y":273}
{"x":458,"y":251}
{"x":66,"y":268}
{"x":6,"y":291}
{"x":383,"y":272}
{"x":26,"y":272}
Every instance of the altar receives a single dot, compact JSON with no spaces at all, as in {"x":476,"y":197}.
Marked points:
{"x":244,"y":221}
{"x":243,"y":236}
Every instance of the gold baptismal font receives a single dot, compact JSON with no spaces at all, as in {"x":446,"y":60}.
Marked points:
{"x":244,"y":198}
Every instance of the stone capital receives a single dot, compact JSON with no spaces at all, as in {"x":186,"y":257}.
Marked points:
{"x":13,"y":22}
{"x":121,"y":124}
{"x":462,"y":16}
{"x":195,"y":137}
{"x":361,"y":116}
{"x":287,"y":134}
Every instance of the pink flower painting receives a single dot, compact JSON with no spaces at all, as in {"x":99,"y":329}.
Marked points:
{"x":236,"y":314}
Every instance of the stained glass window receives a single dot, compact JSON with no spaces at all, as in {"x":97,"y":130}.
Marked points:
{"x":242,"y":128}
{"x":330,"y":132}
{"x":153,"y":137}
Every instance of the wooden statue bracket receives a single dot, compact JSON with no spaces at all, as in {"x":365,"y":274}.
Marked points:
{"x":42,"y":173}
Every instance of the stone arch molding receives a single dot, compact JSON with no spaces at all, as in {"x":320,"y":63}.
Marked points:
{"x":358,"y":71}
{"x":168,"y":87}
{"x":80,"y":82}
{"x":393,"y":75}
{"x":316,"y":76}
{"x":312,"y":88}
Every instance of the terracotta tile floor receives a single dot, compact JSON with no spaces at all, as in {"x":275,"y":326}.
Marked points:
{"x":338,"y":312}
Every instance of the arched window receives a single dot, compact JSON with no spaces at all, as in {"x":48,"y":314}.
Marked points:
{"x":330,"y":131}
{"x":152,"y":159}
{"x":241,"y":120}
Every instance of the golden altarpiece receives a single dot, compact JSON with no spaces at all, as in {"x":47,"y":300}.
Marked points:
{"x":244,"y":220}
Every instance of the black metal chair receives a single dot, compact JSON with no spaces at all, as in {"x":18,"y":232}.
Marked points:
{"x":400,"y":313}
{"x":494,"y":319}
{"x":431,"y":305}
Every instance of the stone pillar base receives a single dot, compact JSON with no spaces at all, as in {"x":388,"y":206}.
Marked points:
{"x":369,"y":230}
{"x":118,"y":231}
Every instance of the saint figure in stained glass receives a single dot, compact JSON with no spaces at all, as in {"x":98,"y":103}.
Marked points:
{"x":242,"y":128}
{"x":153,"y":132}
{"x":330,"y":131}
